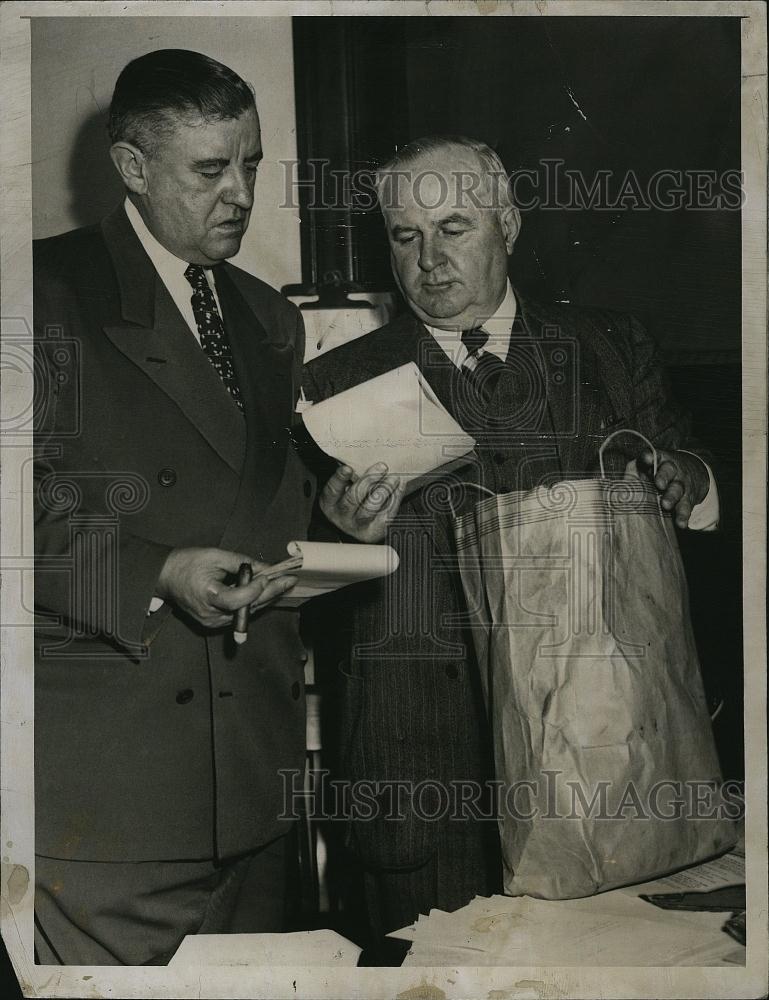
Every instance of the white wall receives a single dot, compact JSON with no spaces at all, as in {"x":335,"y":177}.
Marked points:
{"x":75,"y":62}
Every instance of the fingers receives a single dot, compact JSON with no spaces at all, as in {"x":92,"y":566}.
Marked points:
{"x":673,"y":491}
{"x":347,"y":493}
{"x":259,"y":592}
{"x":671,"y":481}
{"x":257,"y":595}
{"x":392,"y":493}
{"x":379,"y":497}
{"x":337,"y":485}
{"x":364,"y":494}
{"x":194,"y":580}
{"x":212,"y":620}
{"x":667,"y":471}
{"x":683,"y":513}
{"x":224,"y":562}
{"x":213,"y":568}
{"x":375,"y":529}
{"x":274,"y":590}
{"x":646,"y":458}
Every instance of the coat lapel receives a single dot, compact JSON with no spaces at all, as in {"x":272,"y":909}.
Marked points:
{"x":157,"y":340}
{"x":264,"y":368}
{"x":264,"y":371}
{"x":572,"y":383}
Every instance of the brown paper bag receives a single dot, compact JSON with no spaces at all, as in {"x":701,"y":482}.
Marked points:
{"x":603,"y":744}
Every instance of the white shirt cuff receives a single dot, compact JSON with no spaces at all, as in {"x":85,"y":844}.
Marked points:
{"x":705,"y":515}
{"x":155,"y":605}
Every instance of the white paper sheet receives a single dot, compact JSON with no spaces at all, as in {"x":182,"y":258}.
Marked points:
{"x":394,"y":418}
{"x":729,"y":869}
{"x":611,"y":929}
{"x":323,"y":947}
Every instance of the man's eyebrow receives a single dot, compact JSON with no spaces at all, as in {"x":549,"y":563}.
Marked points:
{"x":397,"y":230}
{"x":457,"y":217}
{"x":222,"y":161}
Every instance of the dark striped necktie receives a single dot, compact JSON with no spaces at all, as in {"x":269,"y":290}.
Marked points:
{"x":481,"y":367}
{"x":213,"y":336}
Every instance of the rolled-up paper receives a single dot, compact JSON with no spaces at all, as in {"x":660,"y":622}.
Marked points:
{"x":327,"y":566}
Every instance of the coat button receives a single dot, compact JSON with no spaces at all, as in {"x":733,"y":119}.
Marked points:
{"x":184,"y":696}
{"x":296,"y":690}
{"x":167,"y":477}
{"x":307,"y":488}
{"x":452,"y":671}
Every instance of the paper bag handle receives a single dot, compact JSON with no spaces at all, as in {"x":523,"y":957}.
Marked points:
{"x":625,"y":430}
{"x":476,"y":486}
{"x":621,"y":430}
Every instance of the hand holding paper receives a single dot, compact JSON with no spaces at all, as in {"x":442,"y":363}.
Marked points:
{"x":394,"y":419}
{"x":194,"y":579}
{"x":361,"y":506}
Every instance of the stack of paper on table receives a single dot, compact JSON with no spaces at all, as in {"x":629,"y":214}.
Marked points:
{"x":394,"y":418}
{"x":323,"y":947}
{"x":611,"y":929}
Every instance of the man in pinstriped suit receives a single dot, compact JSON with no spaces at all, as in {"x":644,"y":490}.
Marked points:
{"x":539,"y":387}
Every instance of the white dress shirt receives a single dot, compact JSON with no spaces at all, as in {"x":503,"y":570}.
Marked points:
{"x":704,"y":516}
{"x":497,"y":326}
{"x":170,"y":269}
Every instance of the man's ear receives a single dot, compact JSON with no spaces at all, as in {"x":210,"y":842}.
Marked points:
{"x":131,"y":164}
{"x":510,"y":220}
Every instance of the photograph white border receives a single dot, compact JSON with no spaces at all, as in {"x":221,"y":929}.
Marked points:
{"x":16,"y":739}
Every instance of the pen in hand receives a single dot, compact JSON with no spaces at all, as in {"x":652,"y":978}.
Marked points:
{"x":240,"y":633}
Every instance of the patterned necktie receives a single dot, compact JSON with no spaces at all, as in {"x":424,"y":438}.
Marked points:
{"x":213,"y":336}
{"x":481,"y":367}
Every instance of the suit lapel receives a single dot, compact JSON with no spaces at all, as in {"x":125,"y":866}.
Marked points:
{"x":157,"y":340}
{"x":572,"y":384}
{"x":562,"y":367}
{"x":264,"y":370}
{"x":439,"y":370}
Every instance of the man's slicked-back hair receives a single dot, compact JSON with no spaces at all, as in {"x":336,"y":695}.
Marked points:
{"x":155,"y":92}
{"x":489,"y":161}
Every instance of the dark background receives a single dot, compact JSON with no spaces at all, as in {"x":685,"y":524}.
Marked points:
{"x":622,"y":94}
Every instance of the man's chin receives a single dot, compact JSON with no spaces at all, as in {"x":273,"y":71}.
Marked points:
{"x":437,"y":312}
{"x":224,"y":247}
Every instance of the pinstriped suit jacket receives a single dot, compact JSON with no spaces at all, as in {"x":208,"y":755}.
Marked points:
{"x":409,"y":698}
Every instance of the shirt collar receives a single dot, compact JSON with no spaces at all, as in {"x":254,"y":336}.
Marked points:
{"x":497,"y":326}
{"x":167,"y":265}
{"x":170,"y":267}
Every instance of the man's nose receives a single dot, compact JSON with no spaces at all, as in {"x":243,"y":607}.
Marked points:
{"x":239,"y":191}
{"x":430,"y":255}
